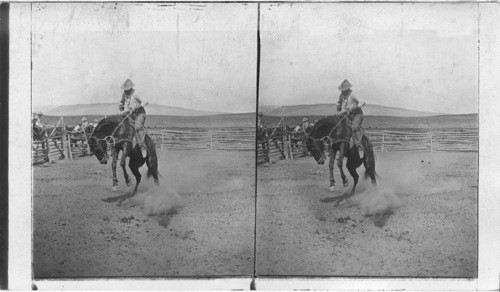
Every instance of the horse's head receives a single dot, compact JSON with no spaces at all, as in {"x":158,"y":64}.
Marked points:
{"x":99,"y":148}
{"x":317,"y":149}
{"x":321,"y":130}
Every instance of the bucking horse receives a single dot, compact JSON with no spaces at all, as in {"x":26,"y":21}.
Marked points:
{"x":119,"y":132}
{"x":335,"y":132}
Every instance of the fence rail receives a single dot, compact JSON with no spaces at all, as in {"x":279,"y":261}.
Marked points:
{"x":65,"y":145}
{"x":212,"y":139}
{"x":464,"y":140}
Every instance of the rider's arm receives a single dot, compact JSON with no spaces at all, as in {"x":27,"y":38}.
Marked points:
{"x":357,"y":102}
{"x":137,"y":99}
{"x":340,"y":103}
{"x":121,"y":105}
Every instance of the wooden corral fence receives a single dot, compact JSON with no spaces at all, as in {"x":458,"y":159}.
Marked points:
{"x":281,"y":142}
{"x":464,"y":140}
{"x":459,"y":140}
{"x":60,"y":144}
{"x":40,"y":151}
{"x":241,"y":139}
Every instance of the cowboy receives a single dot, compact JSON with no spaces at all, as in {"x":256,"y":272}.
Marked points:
{"x":129,"y":102}
{"x":259,"y":120}
{"x":304,"y":125}
{"x":37,"y":120}
{"x":349,"y":104}
{"x":77,"y":129}
{"x":85,"y":124}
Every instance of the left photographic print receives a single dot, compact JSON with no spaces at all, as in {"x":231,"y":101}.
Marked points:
{"x":143,"y":145}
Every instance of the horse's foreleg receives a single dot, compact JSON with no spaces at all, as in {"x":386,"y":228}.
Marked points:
{"x":123,"y":164}
{"x":331,"y":165}
{"x":340,"y":164}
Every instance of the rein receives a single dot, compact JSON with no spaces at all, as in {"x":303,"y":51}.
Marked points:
{"x":111,"y":138}
{"x":329,"y":137}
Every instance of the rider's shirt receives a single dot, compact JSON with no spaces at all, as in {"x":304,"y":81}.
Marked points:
{"x":348,"y":102}
{"x":85,"y":125}
{"x":259,"y":123}
{"x":130,"y":101}
{"x":38,"y":123}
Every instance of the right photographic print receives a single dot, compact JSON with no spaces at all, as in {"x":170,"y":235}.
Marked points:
{"x":367,"y":148}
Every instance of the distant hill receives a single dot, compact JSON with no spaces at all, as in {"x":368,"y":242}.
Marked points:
{"x":267,"y":108}
{"x":112,"y":108}
{"x":467,"y":121}
{"x":329,"y":109}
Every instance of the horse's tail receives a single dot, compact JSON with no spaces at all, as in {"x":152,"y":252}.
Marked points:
{"x":151,"y":159}
{"x":369,"y":159}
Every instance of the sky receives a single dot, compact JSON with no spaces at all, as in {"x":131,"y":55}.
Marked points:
{"x":419,"y":56}
{"x":416,"y":56}
{"x":197,"y":56}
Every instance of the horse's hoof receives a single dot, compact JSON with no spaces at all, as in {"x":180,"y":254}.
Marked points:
{"x":115,"y":188}
{"x":332,"y":189}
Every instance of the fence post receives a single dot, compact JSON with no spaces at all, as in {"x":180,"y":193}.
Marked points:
{"x":432,"y":146}
{"x":69,"y":146}
{"x":63,"y":141}
{"x":87,"y":147}
{"x":383,"y":140}
{"x":162,"y":139}
{"x":47,"y":149}
{"x":211,"y":140}
{"x":283,"y":141}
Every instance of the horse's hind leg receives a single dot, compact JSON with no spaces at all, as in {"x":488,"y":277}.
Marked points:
{"x":340,"y":164}
{"x":331,"y":165}
{"x":135,"y":171}
{"x":113,"y":166}
{"x":352,"y":165}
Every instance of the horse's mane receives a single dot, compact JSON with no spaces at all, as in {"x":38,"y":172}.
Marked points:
{"x":107,"y":126}
{"x":324,"y":126}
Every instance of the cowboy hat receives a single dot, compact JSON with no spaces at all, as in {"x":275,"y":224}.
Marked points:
{"x":260,"y":113}
{"x":84,"y":119}
{"x":304,"y":119}
{"x":345,"y":85}
{"x":128,"y":84}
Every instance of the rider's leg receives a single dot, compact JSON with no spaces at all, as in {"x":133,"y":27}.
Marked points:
{"x":357,"y":132}
{"x":140,"y":132}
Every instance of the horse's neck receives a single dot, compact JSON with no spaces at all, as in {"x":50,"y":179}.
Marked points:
{"x":112,"y":129}
{"x":332,"y":127}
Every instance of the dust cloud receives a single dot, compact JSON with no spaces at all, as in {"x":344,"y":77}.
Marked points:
{"x":157,"y":200}
{"x":395,"y":180}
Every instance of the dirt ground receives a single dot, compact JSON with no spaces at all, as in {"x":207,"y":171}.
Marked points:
{"x":431,"y":230}
{"x":200,"y":222}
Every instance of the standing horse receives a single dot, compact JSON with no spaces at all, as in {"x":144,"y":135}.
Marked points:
{"x":119,"y":132}
{"x":336,"y":132}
